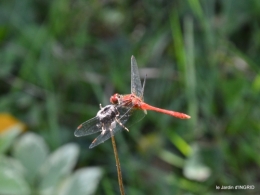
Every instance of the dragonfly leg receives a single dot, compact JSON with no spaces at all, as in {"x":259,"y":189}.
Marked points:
{"x":121,"y":124}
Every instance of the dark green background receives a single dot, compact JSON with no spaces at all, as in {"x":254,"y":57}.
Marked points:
{"x":59,"y":59}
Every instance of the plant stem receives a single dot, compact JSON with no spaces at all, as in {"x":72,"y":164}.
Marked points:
{"x":119,"y":173}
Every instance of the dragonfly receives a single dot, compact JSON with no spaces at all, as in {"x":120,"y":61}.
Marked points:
{"x":135,"y":100}
{"x":109,"y":120}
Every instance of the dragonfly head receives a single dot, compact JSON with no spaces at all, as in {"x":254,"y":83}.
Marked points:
{"x":114,"y":99}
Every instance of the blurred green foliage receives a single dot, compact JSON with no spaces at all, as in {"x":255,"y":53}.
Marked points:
{"x":59,"y":59}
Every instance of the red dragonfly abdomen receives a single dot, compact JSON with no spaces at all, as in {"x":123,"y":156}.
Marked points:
{"x":145,"y":106}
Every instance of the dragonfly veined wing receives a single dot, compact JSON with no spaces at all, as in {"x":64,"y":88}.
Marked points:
{"x":89,"y":127}
{"x":136,"y":86}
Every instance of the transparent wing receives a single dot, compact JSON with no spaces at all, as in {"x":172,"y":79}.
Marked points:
{"x":136,"y":86}
{"x":103,"y":137}
{"x":113,"y":128}
{"x":89,"y":127}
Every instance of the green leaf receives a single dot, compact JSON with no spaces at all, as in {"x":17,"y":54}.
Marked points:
{"x":31,"y":151}
{"x":57,"y":166}
{"x":171,"y":158}
{"x":83,"y":181}
{"x":7,"y":137}
{"x":11,"y":179}
{"x":13,"y":164}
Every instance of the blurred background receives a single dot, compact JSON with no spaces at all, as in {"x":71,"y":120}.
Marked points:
{"x":60,"y":59}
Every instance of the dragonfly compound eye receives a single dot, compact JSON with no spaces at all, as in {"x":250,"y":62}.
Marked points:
{"x":114,"y":99}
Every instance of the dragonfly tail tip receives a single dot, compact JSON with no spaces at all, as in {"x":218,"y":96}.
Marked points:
{"x":187,"y":117}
